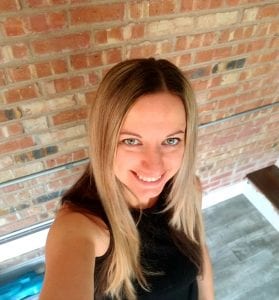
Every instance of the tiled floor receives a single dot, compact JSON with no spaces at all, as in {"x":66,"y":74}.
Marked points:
{"x":244,"y":248}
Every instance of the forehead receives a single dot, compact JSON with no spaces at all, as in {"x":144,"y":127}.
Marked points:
{"x":161,"y":110}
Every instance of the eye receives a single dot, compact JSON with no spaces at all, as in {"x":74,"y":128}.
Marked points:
{"x":172,"y":141}
{"x":130,"y":142}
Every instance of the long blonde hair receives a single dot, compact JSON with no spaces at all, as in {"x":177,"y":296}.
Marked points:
{"x":118,"y":91}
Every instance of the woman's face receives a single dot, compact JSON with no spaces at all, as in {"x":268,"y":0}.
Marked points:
{"x":150,"y":146}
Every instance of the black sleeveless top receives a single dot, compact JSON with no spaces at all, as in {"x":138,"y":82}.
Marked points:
{"x":175,"y":277}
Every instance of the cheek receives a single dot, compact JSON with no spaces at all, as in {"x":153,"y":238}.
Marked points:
{"x":175,"y":160}
{"x":123,"y":161}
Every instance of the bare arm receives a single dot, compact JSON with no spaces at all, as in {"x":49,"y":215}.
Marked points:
{"x":205,"y":282}
{"x":70,"y":259}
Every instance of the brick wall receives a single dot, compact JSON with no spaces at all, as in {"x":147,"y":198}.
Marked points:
{"x":53,"y":54}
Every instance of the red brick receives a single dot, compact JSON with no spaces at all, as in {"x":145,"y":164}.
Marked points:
{"x":43,"y":69}
{"x":135,"y":9}
{"x":221,"y":176}
{"x":137,"y":31}
{"x":97,"y":13}
{"x":13,"y":129}
{"x":232,"y":2}
{"x":158,"y":7}
{"x":2,"y":58}
{"x":268,"y":90}
{"x":225,"y":35}
{"x":222,"y":52}
{"x":46,"y":22}
{"x":184,"y":60}
{"x":57,"y":20}
{"x":222,"y":140}
{"x":223,"y":92}
{"x":268,"y":11}
{"x":203,"y":56}
{"x":2,"y":78}
{"x":95,"y":59}
{"x":101,"y":37}
{"x":181,"y":43}
{"x":261,"y":70}
{"x":14,"y":26}
{"x":70,"y":116}
{"x":274,"y":43}
{"x":227,"y":103}
{"x":57,"y":161}
{"x":216,"y":4}
{"x":89,"y":96}
{"x":200,"y":84}
{"x":211,"y":186}
{"x":207,"y":107}
{"x":37,"y":3}
{"x":115,"y":34}
{"x":50,"y":68}
{"x":76,"y":82}
{"x":2,"y":135}
{"x":20,"y":94}
{"x":59,"y":66}
{"x":247,"y":131}
{"x":65,"y":84}
{"x":251,"y":85}
{"x":18,"y":144}
{"x":215,"y":81}
{"x":238,"y":33}
{"x":38,"y":23}
{"x":113,"y":55}
{"x":13,"y":188}
{"x":195,"y":41}
{"x":166,"y":47}
{"x":240,"y":49}
{"x":79,"y":61}
{"x":261,"y":30}
{"x":269,"y":57}
{"x":201,"y":4}
{"x":247,"y":106}
{"x":143,"y":50}
{"x":80,"y":154}
{"x":252,"y":59}
{"x":20,"y":73}
{"x":93,"y":78}
{"x":256,"y":45}
{"x":248,"y":32}
{"x":274,"y":27}
{"x":63,"y":43}
{"x":186,"y":5}
{"x":209,"y":39}
{"x":9,"y":5}
{"x":250,"y":95}
{"x":268,"y":101}
{"x":20,"y":50}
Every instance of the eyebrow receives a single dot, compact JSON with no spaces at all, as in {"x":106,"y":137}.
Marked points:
{"x":139,"y":136}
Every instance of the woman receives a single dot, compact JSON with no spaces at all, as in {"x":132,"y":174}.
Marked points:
{"x":131,"y":227}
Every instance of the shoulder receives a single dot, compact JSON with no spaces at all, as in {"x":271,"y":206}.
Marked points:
{"x":73,"y":242}
{"x":72,"y":227}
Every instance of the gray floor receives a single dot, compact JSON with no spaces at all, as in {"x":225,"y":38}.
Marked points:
{"x":244,"y":249}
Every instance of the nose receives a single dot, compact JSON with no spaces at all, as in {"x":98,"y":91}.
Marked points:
{"x":152,"y":162}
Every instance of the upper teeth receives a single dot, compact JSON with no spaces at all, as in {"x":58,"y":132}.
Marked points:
{"x":148,"y":179}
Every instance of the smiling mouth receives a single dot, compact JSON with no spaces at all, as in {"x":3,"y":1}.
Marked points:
{"x":148,"y":179}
